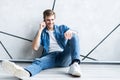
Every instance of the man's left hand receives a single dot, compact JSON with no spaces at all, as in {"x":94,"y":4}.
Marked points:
{"x":68,"y":34}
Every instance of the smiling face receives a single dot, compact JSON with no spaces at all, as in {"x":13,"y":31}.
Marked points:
{"x":49,"y":21}
{"x":49,"y":18}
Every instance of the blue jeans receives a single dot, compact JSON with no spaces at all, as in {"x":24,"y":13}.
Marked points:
{"x":57,"y":59}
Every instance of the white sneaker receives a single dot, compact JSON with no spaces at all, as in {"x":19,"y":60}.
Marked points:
{"x":75,"y":70}
{"x":15,"y":70}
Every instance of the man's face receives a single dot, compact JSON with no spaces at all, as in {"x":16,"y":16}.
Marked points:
{"x":49,"y":20}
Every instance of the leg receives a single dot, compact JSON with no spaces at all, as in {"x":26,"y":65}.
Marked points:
{"x":70,"y":53}
{"x":39,"y":64}
{"x":42,"y":63}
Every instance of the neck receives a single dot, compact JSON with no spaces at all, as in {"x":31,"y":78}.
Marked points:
{"x":50,"y":28}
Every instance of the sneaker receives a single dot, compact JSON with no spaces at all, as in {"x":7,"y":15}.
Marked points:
{"x":15,"y":70}
{"x":75,"y":70}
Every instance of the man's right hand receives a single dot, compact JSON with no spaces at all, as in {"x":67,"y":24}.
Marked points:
{"x":42,"y":25}
{"x":36,"y":41}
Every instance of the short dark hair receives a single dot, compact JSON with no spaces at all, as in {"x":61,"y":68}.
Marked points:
{"x":48,"y":12}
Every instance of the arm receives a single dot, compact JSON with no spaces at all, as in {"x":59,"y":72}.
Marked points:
{"x":36,"y":41}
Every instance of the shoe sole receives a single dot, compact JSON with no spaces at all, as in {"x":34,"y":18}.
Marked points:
{"x":12,"y":69}
{"x":8,"y":67}
{"x":76,"y":74}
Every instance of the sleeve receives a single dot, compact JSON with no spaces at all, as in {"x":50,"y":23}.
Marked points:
{"x":64,"y":28}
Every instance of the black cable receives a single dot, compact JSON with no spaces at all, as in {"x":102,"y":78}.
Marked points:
{"x":15,"y":36}
{"x":6,"y":50}
{"x":89,"y":58}
{"x":101,"y":41}
{"x":53,"y":5}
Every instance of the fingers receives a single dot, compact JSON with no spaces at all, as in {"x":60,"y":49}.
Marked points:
{"x":68,"y":34}
{"x":42,"y":25}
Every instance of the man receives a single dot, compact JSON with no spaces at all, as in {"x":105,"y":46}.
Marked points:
{"x":60,"y":49}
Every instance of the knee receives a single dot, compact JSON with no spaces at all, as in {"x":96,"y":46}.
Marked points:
{"x":75,"y":36}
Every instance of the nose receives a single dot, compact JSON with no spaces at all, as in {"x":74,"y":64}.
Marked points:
{"x":51,"y":21}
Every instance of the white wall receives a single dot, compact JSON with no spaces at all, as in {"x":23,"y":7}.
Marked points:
{"x":92,"y":19}
{"x":20,"y":18}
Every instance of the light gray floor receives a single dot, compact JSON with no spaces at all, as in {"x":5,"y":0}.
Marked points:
{"x":89,"y":72}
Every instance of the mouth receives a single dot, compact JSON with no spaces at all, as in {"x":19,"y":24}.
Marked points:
{"x":51,"y":24}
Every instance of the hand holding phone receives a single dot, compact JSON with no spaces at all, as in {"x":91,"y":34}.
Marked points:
{"x":42,"y":25}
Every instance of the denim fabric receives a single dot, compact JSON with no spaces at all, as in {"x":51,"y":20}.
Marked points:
{"x":59,"y":36}
{"x":57,"y":59}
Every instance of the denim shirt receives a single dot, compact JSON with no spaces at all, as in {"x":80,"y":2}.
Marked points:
{"x":59,"y":36}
